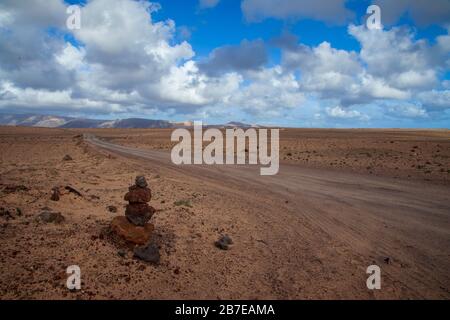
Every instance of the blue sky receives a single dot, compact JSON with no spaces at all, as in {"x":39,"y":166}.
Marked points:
{"x":288,"y":63}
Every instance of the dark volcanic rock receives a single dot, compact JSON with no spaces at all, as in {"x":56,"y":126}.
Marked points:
{"x":7,"y":213}
{"x":55,"y":194}
{"x":50,"y":216}
{"x":67,"y":158}
{"x":112,"y":209}
{"x":141,"y":182}
{"x":148,"y":253}
{"x":139,"y":213}
{"x":73,"y":190}
{"x":224,"y":242}
{"x":138,"y":195}
{"x":15,"y":188}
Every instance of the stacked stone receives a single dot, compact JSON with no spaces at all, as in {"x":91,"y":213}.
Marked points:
{"x":138,"y":212}
{"x":134,"y":226}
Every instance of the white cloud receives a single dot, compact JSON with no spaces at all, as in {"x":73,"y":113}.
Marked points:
{"x":390,"y":65}
{"x":124,"y":61}
{"x":339,"y":112}
{"x":423,"y":12}
{"x":407,"y":110}
{"x":71,"y":57}
{"x":270,"y":92}
{"x":435,"y":99}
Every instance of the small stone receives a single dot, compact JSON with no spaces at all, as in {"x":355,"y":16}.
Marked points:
{"x":130,"y":232}
{"x":67,"y":158}
{"x":56,"y":195}
{"x":148,"y":253}
{"x":141,"y":182}
{"x":122,"y":253}
{"x":224,"y":242}
{"x":112,"y":209}
{"x":51,"y":217}
{"x":73,"y":190}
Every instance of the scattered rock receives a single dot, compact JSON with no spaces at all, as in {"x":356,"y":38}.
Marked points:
{"x":130,"y":232}
{"x":67,"y":158}
{"x":387,"y":260}
{"x":224,"y":242}
{"x":141,"y":182}
{"x":73,"y":190}
{"x":6,"y":214}
{"x":184,"y":203}
{"x":122,"y":253}
{"x":14,"y":188}
{"x":148,"y":253}
{"x":56,"y":195}
{"x":51,"y":217}
{"x":112,"y":209}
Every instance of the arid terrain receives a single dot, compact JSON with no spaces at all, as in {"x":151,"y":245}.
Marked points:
{"x":343,"y":200}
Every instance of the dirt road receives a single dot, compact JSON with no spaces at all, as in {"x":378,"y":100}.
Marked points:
{"x":318,"y":230}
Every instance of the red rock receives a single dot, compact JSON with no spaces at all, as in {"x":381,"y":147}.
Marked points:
{"x":138,"y":195}
{"x":130,"y":232}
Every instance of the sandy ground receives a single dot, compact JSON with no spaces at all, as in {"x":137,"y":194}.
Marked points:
{"x":408,"y":154}
{"x":309,"y":232}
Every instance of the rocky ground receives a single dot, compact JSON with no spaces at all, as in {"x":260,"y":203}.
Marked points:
{"x":35,"y":254}
{"x":273,"y":254}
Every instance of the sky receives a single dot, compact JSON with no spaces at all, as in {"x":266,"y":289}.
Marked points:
{"x":295,"y":63}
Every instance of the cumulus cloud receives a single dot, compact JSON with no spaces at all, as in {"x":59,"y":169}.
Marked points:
{"x":270,"y":93}
{"x":423,"y":12}
{"x":390,"y":65}
{"x":333,"y":11}
{"x":249,"y":55}
{"x":339,"y":112}
{"x":407,"y":110}
{"x":123,"y":61}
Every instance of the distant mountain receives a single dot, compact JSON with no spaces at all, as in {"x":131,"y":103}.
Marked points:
{"x":82,"y":123}
{"x":32,"y":120}
{"x":237,"y":124}
{"x":48,"y":121}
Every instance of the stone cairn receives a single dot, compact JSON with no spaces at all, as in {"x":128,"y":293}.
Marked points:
{"x":134,"y":226}
{"x":138,"y":212}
